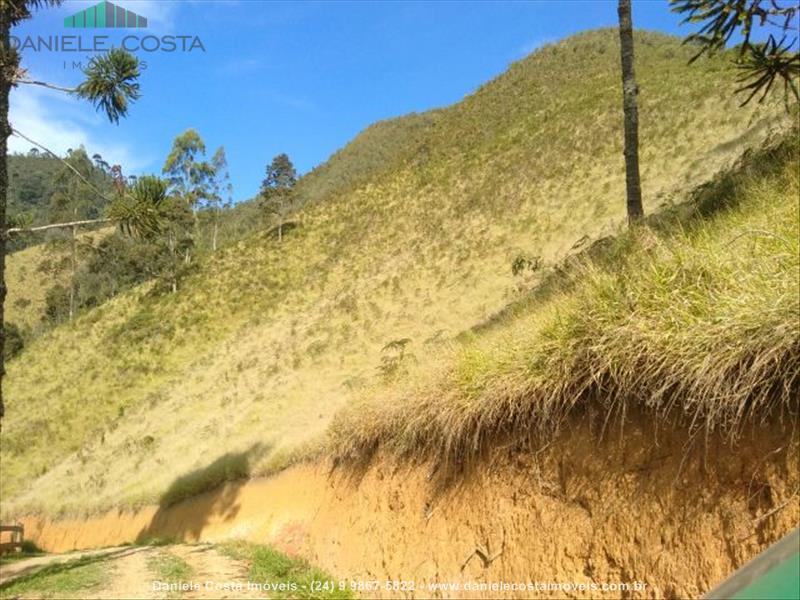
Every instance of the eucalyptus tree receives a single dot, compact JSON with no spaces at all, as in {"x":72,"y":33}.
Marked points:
{"x":110,"y":84}
{"x":189,"y":175}
{"x":221,"y":191}
{"x":191,"y":178}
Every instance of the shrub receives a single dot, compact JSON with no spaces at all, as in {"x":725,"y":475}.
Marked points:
{"x":14,"y":341}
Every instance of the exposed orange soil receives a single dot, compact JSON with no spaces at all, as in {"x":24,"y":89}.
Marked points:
{"x":641,"y":505}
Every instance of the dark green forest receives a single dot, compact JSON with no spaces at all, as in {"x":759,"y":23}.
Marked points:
{"x":44,"y":190}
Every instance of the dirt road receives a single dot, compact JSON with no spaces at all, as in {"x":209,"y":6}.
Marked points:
{"x":28,"y":566}
{"x":176,"y":571}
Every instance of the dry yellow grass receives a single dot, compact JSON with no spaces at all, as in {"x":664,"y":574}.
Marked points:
{"x":28,"y":285}
{"x":697,"y":324}
{"x":267,"y":341}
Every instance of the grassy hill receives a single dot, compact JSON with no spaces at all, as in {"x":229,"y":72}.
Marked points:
{"x":28,"y":280}
{"x":410,"y":240}
{"x":693,"y":321}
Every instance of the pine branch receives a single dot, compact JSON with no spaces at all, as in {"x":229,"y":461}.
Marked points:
{"x":47,"y":85}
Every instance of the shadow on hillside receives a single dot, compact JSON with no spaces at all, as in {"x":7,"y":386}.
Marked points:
{"x":286,"y":229}
{"x":201,"y":496}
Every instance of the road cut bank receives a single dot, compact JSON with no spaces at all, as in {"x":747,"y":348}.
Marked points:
{"x":642,"y":512}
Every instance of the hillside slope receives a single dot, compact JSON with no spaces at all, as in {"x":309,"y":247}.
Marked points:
{"x":692,"y":324}
{"x":162,"y":396}
{"x":635,"y":420}
{"x":29,"y":278}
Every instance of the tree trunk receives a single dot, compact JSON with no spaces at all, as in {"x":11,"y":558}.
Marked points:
{"x":633,"y":184}
{"x":8,"y":66}
{"x":216,"y":232}
{"x":172,"y":243}
{"x":196,"y":235}
{"x":74,"y":267}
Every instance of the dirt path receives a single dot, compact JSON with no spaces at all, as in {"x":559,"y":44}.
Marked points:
{"x":131,"y":577}
{"x":214,"y":575}
{"x":31,"y":565}
{"x":226,"y":577}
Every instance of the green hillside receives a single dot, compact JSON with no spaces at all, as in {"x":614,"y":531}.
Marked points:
{"x":31,"y":181}
{"x":30,"y":276}
{"x":693,"y":321}
{"x":378,"y":150}
{"x":409,"y":239}
{"x":38,"y":185}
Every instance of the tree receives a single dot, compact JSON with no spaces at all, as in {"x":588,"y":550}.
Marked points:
{"x":113,"y":263}
{"x":277,"y":190}
{"x":191,"y":177}
{"x":221,"y":191}
{"x":111,"y":83}
{"x":761,"y":64}
{"x":630,"y":90}
{"x":176,"y":242}
{"x":73,"y":196}
{"x":100,"y":163}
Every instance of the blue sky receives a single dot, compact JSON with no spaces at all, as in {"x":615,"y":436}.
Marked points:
{"x":300,"y":78}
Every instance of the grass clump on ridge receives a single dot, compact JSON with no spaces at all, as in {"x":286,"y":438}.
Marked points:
{"x":700,"y":324}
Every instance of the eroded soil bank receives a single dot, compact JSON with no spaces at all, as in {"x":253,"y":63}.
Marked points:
{"x":642,"y":504}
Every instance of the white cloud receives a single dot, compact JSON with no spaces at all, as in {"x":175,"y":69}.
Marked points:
{"x":60,"y":122}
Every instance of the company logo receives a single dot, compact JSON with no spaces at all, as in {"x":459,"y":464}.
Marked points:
{"x":113,"y":19}
{"x":104,"y":15}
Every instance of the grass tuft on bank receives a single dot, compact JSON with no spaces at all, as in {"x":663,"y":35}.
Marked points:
{"x":695,"y":320}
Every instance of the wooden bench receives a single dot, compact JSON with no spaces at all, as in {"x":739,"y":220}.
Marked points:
{"x":17,"y":535}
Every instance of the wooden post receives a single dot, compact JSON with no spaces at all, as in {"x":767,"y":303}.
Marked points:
{"x":17,"y":535}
